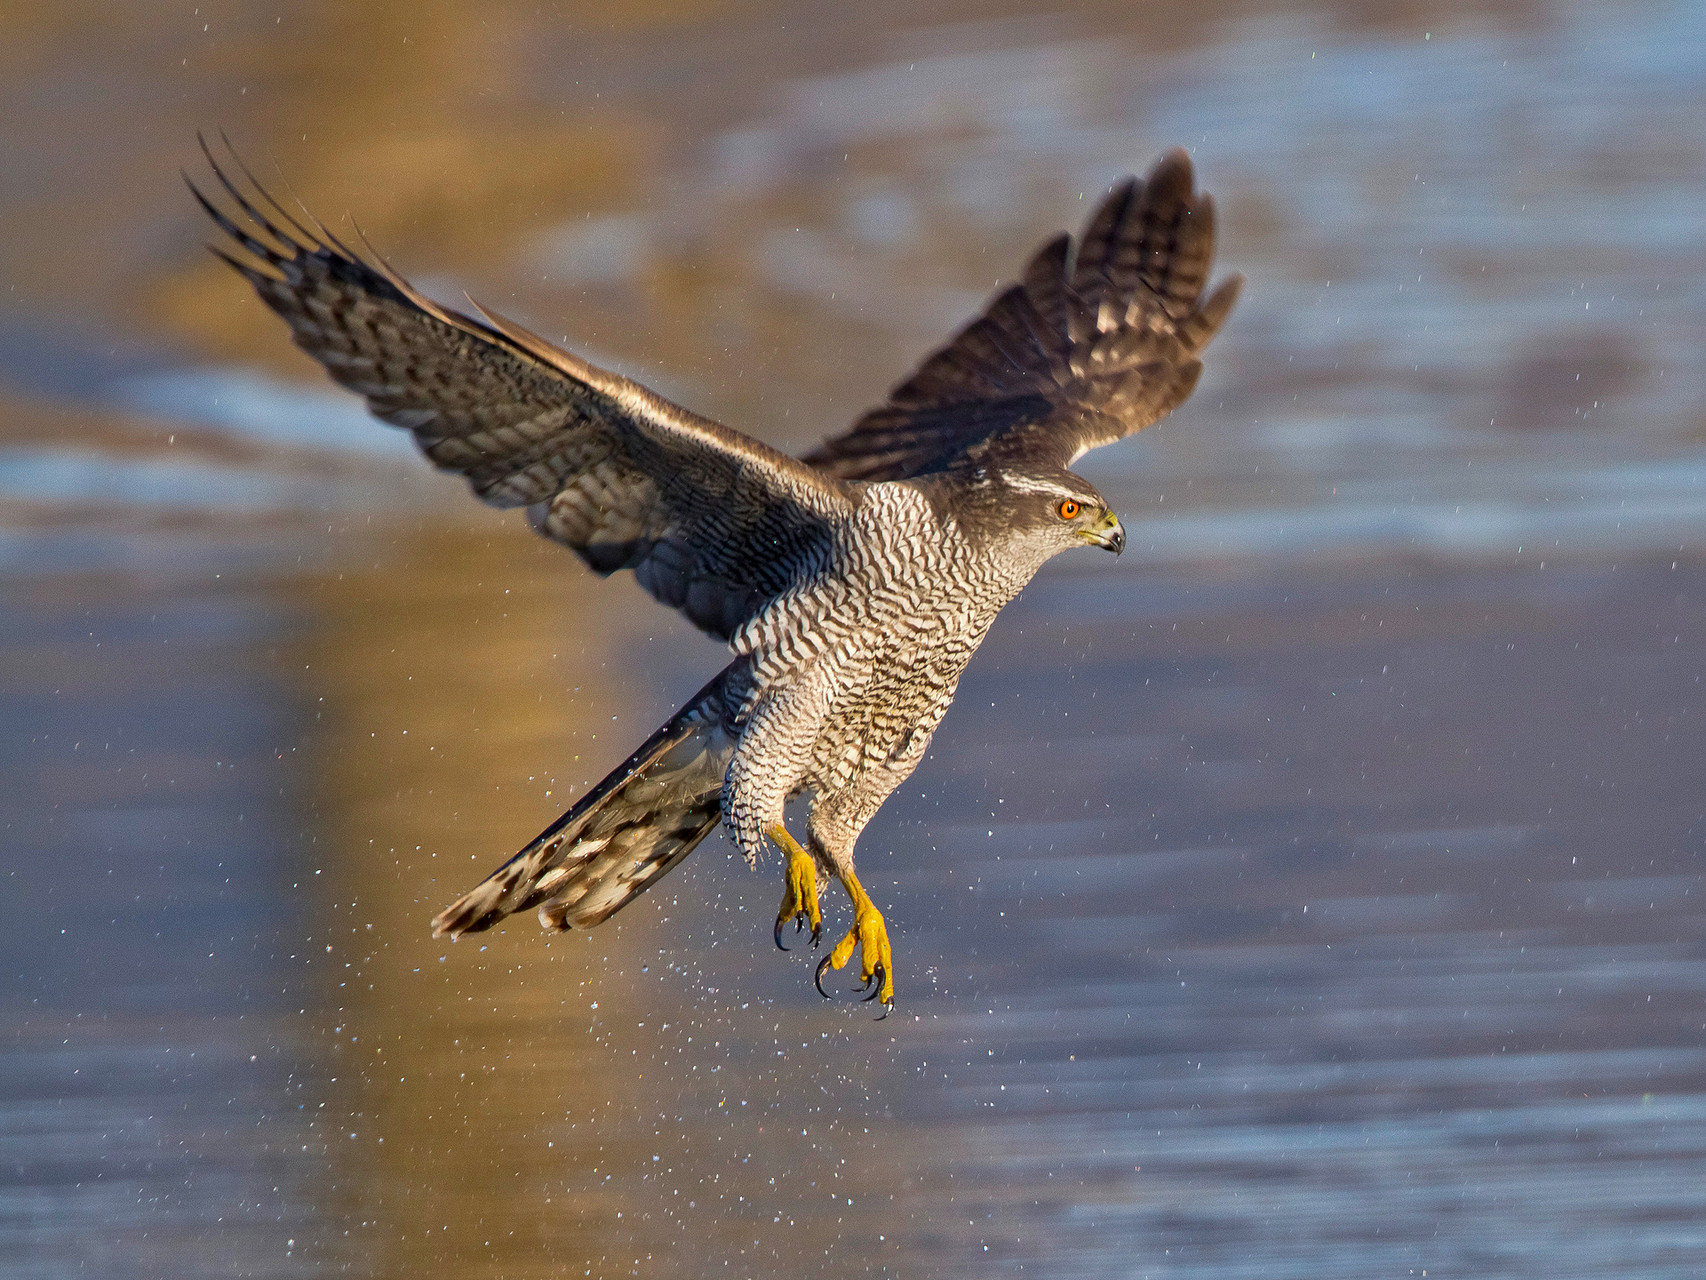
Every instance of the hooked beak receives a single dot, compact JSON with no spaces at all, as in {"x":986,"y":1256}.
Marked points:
{"x":1108,"y":533}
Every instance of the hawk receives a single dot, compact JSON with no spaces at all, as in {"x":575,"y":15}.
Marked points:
{"x":853,"y":585}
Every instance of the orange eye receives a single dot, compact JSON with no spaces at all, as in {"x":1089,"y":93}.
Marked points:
{"x":1068,"y":509}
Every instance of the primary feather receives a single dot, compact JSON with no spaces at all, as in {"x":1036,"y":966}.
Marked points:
{"x":1098,"y":340}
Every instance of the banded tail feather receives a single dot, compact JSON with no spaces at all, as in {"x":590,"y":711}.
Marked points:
{"x":619,"y":838}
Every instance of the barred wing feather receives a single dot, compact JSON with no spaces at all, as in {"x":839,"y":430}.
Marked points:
{"x":1098,"y":340}
{"x":712,"y":522}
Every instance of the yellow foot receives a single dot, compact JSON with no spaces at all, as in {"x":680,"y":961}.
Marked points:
{"x":799,"y":897}
{"x":871,"y":936}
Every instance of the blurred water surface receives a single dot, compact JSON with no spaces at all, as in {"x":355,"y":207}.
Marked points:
{"x":1315,"y":893}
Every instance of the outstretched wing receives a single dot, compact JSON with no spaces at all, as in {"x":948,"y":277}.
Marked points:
{"x":1101,"y":339}
{"x":711,"y":521}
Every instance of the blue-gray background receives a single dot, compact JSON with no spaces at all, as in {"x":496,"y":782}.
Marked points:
{"x":1316,"y":892}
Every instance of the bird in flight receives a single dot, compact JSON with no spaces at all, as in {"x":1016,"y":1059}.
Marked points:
{"x":852,"y":585}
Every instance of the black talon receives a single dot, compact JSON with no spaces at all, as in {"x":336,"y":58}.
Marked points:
{"x":817,"y":980}
{"x":875,"y":983}
{"x":888,"y":1008}
{"x":799,"y":924}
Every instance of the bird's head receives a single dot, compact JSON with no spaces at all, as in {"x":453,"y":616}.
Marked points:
{"x":1060,"y":511}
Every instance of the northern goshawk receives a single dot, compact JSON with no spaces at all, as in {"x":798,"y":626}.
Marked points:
{"x":853,"y":585}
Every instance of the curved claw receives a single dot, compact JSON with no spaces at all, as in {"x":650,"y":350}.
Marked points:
{"x":799,"y":926}
{"x":875,"y":983}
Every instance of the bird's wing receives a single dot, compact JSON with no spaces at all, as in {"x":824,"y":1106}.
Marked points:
{"x":1101,"y":338}
{"x":712,"y":522}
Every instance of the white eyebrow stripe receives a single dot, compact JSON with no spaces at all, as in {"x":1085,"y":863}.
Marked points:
{"x":1026,"y":485}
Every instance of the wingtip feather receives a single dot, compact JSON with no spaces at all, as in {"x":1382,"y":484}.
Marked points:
{"x":1202,"y":324}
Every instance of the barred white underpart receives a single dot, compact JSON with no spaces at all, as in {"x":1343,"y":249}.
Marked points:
{"x":853,"y":586}
{"x":853,"y":669}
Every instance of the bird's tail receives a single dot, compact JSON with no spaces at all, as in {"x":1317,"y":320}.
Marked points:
{"x":620,"y":838}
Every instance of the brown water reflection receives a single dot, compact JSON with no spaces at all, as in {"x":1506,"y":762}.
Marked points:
{"x":1314,"y":894}
{"x":507,"y":1104}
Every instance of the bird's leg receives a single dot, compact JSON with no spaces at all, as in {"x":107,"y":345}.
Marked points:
{"x":799,"y":893}
{"x":871,"y":936}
